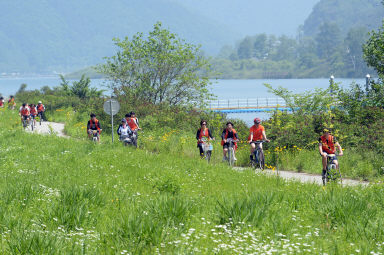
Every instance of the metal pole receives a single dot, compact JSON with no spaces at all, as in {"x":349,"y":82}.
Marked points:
{"x":367,"y":83}
{"x":110,"y":103}
{"x":331,"y":82}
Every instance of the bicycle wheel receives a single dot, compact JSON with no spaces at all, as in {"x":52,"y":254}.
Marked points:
{"x":24,"y":124}
{"x":32,"y":125}
{"x":231,"y":159}
{"x":40,"y":118}
{"x":255,"y":159}
{"x":208,"y":156}
{"x":261,"y":160}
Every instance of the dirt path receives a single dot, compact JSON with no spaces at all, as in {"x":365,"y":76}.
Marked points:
{"x":49,"y":128}
{"x":58,"y":129}
{"x":305,"y":177}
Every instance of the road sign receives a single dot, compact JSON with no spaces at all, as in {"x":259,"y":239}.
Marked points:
{"x":111,"y":107}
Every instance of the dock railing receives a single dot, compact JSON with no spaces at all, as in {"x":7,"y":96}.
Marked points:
{"x":249,"y":103}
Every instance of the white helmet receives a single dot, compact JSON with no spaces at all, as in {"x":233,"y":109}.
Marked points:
{"x":39,"y":102}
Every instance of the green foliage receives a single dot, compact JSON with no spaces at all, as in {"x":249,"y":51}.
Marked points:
{"x":374,"y":50}
{"x":158,"y":69}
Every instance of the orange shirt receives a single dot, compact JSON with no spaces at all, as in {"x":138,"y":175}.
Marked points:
{"x":132,"y":123}
{"x":257,"y":132}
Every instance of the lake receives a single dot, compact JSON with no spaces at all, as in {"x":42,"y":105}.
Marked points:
{"x":223,"y":89}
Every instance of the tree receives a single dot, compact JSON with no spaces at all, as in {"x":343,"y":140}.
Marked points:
{"x":328,"y":39}
{"x":245,"y":48}
{"x":374,"y":50}
{"x":161,"y":68}
{"x":81,"y":89}
{"x":353,"y":44}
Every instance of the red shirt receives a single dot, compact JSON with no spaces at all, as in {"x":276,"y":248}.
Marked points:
{"x":257,"y":132}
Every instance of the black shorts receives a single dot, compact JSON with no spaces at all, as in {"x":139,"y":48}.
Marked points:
{"x":331,"y":158}
{"x":226,"y":145}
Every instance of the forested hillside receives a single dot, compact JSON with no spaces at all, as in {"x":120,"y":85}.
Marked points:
{"x":330,"y":42}
{"x":346,"y":14}
{"x":43,"y":36}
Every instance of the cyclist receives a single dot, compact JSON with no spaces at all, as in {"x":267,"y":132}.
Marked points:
{"x":11,"y":103}
{"x":40,"y":110}
{"x":327,"y":145}
{"x":133,"y":123}
{"x":257,"y":133}
{"x":94,"y":124}
{"x":203,"y":132}
{"x":124,"y":130}
{"x":33,"y":112}
{"x":1,"y":102}
{"x":228,"y":132}
{"x":24,"y":112}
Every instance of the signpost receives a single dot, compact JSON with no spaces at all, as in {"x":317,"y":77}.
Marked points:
{"x":111,"y":107}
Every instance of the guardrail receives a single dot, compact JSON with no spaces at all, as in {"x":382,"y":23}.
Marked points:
{"x":255,"y":103}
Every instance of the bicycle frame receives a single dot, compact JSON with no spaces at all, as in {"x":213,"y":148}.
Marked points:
{"x":207,"y":148}
{"x":231,"y":151}
{"x":333,"y":173}
{"x":258,"y":153}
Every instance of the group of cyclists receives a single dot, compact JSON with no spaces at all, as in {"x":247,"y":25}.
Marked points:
{"x":29,"y":112}
{"x":327,"y":146}
{"x":128,"y":127}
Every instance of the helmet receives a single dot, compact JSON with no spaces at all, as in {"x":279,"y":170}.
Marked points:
{"x":40,"y":102}
{"x":123,"y":120}
{"x":257,"y":120}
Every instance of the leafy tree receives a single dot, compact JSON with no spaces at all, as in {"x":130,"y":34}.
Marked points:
{"x":353,"y":44}
{"x":328,"y":39}
{"x":159,"y":69}
{"x":374,"y":50}
{"x":81,"y":89}
{"x":260,"y":46}
{"x":245,"y":49}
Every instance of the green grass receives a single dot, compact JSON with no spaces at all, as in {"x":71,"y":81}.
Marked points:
{"x":62,"y":196}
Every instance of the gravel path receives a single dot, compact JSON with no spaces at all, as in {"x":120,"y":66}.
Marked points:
{"x":49,"y":128}
{"x":58,"y":129}
{"x":305,"y":177}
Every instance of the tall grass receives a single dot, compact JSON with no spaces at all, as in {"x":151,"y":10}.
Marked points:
{"x":62,"y":196}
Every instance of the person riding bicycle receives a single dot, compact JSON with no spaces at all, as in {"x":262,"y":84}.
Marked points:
{"x":40,"y":109}
{"x":1,"y":102}
{"x":124,"y":130}
{"x":203,"y":133}
{"x":24,"y":112}
{"x":229,"y":132}
{"x":33,"y":112}
{"x":94,"y":124}
{"x":257,"y":133}
{"x":328,"y":145}
{"x":11,"y":103}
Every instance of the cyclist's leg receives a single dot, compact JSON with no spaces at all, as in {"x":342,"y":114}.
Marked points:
{"x":253,"y":147}
{"x":200,"y":146}
{"x":225,"y":150}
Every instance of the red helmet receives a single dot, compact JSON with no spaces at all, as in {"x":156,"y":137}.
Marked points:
{"x":257,"y":120}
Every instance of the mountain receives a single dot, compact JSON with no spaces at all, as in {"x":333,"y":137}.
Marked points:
{"x":249,"y":17}
{"x":45,"y":35}
{"x":346,"y":14}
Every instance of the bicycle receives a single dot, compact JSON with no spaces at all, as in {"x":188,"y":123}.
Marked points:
{"x":40,"y":116}
{"x":333,"y":173}
{"x":95,"y":135}
{"x":128,"y":140}
{"x":207,"y":148}
{"x":32,"y":122}
{"x":231,"y":151}
{"x":258,"y":156}
{"x":25,"y":122}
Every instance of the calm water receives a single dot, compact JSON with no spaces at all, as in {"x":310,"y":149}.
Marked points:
{"x":223,"y":89}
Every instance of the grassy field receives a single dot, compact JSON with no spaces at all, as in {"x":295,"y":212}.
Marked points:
{"x":70,"y":196}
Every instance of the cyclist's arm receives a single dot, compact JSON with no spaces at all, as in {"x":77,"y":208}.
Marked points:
{"x":210,"y":134}
{"x":265,"y":136}
{"x":250,"y":137}
{"x":339,"y":148}
{"x":198,"y":134}
{"x":118,"y":130}
{"x":223,"y":136}
{"x":89,"y":125}
{"x":321,"y":148}
{"x":236,"y":137}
